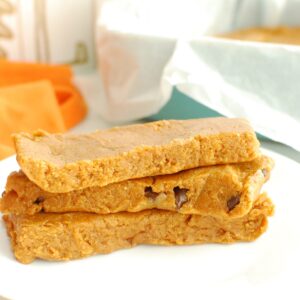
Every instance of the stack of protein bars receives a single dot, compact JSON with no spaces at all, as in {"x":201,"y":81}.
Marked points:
{"x":166,"y":183}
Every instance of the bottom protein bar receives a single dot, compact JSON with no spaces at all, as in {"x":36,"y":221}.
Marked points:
{"x":68,"y":236}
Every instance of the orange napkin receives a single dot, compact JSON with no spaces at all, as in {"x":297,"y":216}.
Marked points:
{"x":27,"y":103}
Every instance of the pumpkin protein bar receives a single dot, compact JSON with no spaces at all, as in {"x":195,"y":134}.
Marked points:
{"x":221,"y":191}
{"x":64,"y":162}
{"x":68,"y":236}
{"x":278,"y":35}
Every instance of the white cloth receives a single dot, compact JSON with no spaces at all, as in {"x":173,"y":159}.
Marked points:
{"x":145,"y":48}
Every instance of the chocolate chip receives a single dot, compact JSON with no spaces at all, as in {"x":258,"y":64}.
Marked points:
{"x":233,"y":202}
{"x":150,"y":194}
{"x":188,"y":219}
{"x":39,"y":200}
{"x":265,"y":172}
{"x":3,"y":194}
{"x":180,"y":196}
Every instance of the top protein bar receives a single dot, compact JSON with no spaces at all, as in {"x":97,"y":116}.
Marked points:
{"x":61,"y":163}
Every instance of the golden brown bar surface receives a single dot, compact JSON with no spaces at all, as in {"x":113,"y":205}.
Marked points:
{"x":221,"y":191}
{"x":66,"y":162}
{"x":76,"y":235}
{"x":280,"y":35}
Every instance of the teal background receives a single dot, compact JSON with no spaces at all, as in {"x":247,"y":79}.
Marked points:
{"x":183,"y":107}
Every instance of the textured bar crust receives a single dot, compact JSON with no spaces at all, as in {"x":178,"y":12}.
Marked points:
{"x":76,"y":235}
{"x":221,"y":191}
{"x":66,"y":162}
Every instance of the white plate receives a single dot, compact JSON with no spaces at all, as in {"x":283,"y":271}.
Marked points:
{"x":267,"y":266}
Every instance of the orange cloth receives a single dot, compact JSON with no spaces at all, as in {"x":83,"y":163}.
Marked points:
{"x":53,"y":104}
{"x":6,"y":151}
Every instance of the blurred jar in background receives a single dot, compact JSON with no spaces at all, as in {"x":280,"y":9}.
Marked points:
{"x":48,"y":31}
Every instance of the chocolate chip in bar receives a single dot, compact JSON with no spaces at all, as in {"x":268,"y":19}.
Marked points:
{"x":180,"y":196}
{"x":39,"y":200}
{"x":150,"y":194}
{"x":233,"y":202}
